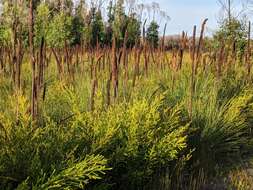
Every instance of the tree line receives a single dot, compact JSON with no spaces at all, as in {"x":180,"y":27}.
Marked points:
{"x":65,"y":28}
{"x":68,"y":22}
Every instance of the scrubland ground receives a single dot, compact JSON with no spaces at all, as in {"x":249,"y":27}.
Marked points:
{"x":160,"y":127}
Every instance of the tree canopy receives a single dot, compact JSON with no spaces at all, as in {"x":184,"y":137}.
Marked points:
{"x":75,"y":22}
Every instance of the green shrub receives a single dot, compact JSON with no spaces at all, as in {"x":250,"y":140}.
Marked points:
{"x":223,"y":138}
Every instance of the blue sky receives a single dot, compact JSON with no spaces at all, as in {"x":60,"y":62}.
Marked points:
{"x":187,"y":13}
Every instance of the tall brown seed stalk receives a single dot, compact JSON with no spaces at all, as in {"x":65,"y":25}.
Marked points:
{"x":34,"y":106}
{"x":201,"y":38}
{"x":193,"y":58}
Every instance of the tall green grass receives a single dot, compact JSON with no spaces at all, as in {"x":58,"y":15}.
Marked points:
{"x":146,"y":139}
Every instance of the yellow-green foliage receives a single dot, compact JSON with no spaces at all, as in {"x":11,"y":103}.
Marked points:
{"x":77,"y":176}
{"x":141,"y":135}
{"x":146,"y":136}
{"x":240,"y":180}
{"x":57,"y":104}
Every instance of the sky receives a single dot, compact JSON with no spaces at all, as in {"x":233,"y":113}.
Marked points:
{"x":185,"y":14}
